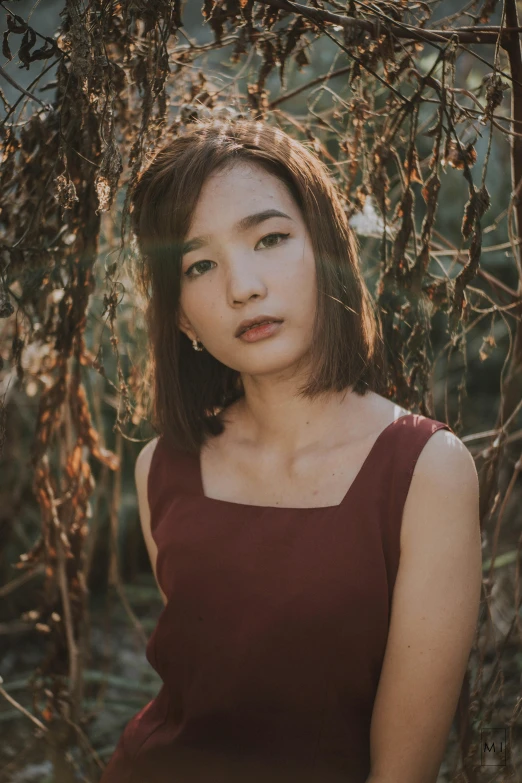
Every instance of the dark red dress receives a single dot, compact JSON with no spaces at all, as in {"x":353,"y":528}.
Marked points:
{"x":271,"y":644}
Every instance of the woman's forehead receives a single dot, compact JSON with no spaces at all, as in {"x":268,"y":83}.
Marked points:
{"x":236,"y":194}
{"x":243,"y":173}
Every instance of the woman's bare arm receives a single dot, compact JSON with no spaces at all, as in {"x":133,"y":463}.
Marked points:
{"x":141,"y":474}
{"x":434,"y":615}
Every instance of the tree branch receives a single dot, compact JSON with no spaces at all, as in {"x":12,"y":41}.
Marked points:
{"x":485,"y":34}
{"x":19,"y":87}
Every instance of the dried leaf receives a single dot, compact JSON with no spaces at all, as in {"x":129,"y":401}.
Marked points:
{"x":415,"y":174}
{"x":48,"y":50}
{"x":65,"y":191}
{"x":5,"y":46}
{"x":458,"y":158}
{"x":28,"y":41}
{"x":16,"y":24}
{"x":488,"y":343}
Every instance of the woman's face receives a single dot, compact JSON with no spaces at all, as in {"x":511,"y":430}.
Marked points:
{"x":235,"y":273}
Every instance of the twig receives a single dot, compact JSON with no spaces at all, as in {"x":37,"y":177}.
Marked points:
{"x":8,"y":78}
{"x":20,"y":708}
{"x":21,"y":580}
{"x":74,"y":670}
{"x":485,"y":34}
{"x":311,"y":83}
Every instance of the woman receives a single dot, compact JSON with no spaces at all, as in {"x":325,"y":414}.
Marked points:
{"x":284,"y":489}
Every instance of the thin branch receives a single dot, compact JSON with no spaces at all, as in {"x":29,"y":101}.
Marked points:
{"x":479,"y":34}
{"x":311,"y":83}
{"x":21,"y":709}
{"x":8,"y":78}
{"x":21,"y":580}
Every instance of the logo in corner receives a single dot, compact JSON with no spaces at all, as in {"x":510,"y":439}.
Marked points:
{"x":493,"y":747}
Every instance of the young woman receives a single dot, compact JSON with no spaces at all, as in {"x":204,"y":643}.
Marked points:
{"x":316,"y":545}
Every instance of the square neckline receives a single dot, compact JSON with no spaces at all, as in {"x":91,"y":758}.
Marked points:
{"x":358,"y":477}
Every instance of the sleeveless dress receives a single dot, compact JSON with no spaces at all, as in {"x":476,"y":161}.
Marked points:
{"x":271,"y":643}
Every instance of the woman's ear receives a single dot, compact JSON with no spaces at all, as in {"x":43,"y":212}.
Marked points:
{"x":184,"y":326}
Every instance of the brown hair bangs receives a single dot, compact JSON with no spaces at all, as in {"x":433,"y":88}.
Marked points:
{"x":191,"y":390}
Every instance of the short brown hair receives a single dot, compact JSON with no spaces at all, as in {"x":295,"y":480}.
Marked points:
{"x":192,"y":389}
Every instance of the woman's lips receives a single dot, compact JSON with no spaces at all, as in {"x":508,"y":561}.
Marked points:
{"x":260,"y":332}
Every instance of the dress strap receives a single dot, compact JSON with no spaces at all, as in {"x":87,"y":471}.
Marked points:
{"x":172,"y":472}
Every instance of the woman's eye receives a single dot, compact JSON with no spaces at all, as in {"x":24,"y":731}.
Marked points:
{"x":190,"y":271}
{"x":284,"y":236}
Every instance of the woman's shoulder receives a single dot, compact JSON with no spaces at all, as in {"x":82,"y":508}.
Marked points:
{"x":376,"y":412}
{"x":144,"y":458}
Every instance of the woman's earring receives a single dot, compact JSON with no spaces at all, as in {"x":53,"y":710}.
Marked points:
{"x":195,"y":344}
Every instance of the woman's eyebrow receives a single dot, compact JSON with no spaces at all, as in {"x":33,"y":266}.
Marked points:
{"x":242,"y":225}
